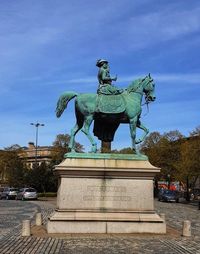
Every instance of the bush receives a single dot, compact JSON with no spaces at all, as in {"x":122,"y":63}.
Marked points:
{"x":47,"y":194}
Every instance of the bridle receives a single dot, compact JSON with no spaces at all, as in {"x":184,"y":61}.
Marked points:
{"x":149,"y":91}
{"x":147,"y":101}
{"x":134,"y":89}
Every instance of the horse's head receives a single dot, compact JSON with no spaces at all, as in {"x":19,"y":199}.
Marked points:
{"x":149,"y":88}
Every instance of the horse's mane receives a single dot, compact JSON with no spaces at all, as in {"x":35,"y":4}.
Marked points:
{"x":134,"y":84}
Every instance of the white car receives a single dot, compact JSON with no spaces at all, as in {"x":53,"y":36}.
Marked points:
{"x":27,"y":193}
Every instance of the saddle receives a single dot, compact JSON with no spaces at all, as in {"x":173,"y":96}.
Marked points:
{"x":110,"y":100}
{"x":110,"y":104}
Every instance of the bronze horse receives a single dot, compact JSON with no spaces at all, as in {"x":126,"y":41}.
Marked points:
{"x":86,"y":105}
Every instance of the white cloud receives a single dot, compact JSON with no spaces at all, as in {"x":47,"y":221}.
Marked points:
{"x":164,"y":77}
{"x":48,"y":46}
{"x":179,"y":77}
{"x":151,"y":28}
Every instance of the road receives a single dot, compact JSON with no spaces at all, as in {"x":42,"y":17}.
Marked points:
{"x":13,"y":212}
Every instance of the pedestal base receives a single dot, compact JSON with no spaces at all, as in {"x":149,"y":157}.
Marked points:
{"x":105,"y":194}
{"x":89,"y":222}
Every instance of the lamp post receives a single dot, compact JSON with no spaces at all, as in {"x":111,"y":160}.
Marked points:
{"x":169,"y":180}
{"x":37,"y":125}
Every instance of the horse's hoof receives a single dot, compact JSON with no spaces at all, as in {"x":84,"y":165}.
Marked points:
{"x":136,"y":152}
{"x":93,"y":150}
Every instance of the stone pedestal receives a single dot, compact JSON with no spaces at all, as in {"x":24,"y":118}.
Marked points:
{"x":105,"y":193}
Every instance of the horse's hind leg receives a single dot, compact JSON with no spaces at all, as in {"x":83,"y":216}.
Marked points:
{"x":77,"y":127}
{"x":142,"y":127}
{"x":74,"y":131}
{"x":86,"y":126}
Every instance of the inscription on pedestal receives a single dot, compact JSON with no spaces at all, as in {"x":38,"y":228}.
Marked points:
{"x":106,"y":198}
{"x":106,"y":188}
{"x":104,"y":193}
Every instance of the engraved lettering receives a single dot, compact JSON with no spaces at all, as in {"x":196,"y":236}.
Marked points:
{"x":106,"y":188}
{"x":106,"y":198}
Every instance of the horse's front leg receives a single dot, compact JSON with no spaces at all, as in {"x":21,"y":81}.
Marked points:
{"x":85,"y":130}
{"x":132,"y":126}
{"x":146,"y":131}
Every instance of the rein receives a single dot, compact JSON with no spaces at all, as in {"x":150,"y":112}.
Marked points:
{"x":146,"y":103}
{"x":134,"y":89}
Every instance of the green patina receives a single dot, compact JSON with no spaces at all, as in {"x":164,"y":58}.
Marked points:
{"x":111,"y":104}
{"x":107,"y":156}
{"x":108,"y":108}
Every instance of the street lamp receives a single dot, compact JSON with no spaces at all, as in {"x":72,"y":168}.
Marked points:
{"x":169,"y":180}
{"x":36,"y":139}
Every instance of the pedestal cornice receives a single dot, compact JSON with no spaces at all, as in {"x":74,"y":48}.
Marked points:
{"x":105,"y":165}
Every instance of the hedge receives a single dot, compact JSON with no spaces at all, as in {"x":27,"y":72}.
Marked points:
{"x":47,"y":194}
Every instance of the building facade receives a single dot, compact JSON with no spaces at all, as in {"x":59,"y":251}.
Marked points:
{"x":31,"y":154}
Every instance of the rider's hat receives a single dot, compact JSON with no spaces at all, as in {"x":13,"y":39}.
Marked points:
{"x":100,"y":62}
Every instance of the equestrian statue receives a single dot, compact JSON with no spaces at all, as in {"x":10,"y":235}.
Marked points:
{"x":108,"y":108}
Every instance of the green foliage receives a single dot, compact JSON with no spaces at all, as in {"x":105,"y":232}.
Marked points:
{"x":47,"y":194}
{"x":127,"y":150}
{"x":163,"y":151}
{"x":41,"y":178}
{"x":189,"y":164}
{"x":175,"y":154}
{"x":60,"y":147}
{"x":11,"y":167}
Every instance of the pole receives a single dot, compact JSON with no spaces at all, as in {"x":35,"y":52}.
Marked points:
{"x":37,"y":125}
{"x":187,"y":186}
{"x":36,"y":144}
{"x":169,"y":180}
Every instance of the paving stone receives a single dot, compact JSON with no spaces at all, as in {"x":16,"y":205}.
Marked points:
{"x":13,"y":212}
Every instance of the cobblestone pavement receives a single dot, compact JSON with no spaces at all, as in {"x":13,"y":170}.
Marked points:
{"x":13,"y":212}
{"x":11,"y":215}
{"x":176,"y":213}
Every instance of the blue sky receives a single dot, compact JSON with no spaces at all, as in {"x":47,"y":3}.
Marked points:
{"x":48,"y":47}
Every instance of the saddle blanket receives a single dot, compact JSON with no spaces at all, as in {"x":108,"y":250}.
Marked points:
{"x":110,"y":103}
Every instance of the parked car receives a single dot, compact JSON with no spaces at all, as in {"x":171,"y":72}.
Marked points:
{"x":195,"y":194}
{"x":27,"y":193}
{"x":168,"y":196}
{"x":9,"y":193}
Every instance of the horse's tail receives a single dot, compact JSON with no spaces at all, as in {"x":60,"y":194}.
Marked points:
{"x":63,"y":101}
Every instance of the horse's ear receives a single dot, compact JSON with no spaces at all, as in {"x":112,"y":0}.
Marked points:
{"x":149,"y":75}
